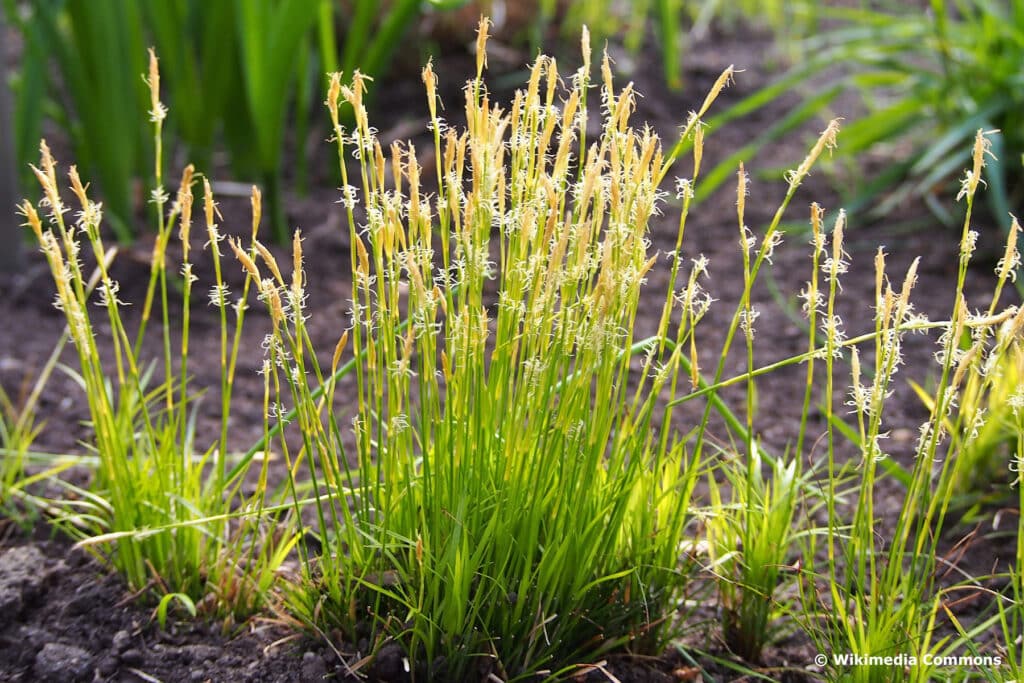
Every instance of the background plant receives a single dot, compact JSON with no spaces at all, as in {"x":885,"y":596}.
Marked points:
{"x":237,"y":73}
{"x":929,"y":80}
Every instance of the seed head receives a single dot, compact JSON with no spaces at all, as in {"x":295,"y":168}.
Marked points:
{"x":481,"y":45}
{"x":269,"y":259}
{"x":244,"y":259}
{"x":257,"y":209}
{"x":1009,"y":264}
{"x":297,"y":266}
{"x":157,"y":112}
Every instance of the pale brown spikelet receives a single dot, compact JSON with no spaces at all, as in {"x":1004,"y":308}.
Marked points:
{"x":269,"y":259}
{"x":256,"y":200}
{"x":855,"y":366}
{"x":585,"y":48}
{"x":77,"y":188}
{"x":274,"y":303}
{"x":31,"y":218}
{"x":982,"y":147}
{"x":244,"y":259}
{"x":817,"y":216}
{"x":208,"y":205}
{"x":481,"y":45}
{"x":908,"y":284}
{"x":439,"y":296}
{"x":741,"y":192}
{"x":879,"y":274}
{"x":552,"y":81}
{"x":363,"y":265}
{"x":187,"y":178}
{"x":413,"y":169}
{"x":297,"y":265}
{"x":624,"y":106}
{"x":378,"y":162}
{"x":606,"y":76}
{"x":157,"y":112}
{"x":698,"y":148}
{"x":961,"y":315}
{"x":569,"y":111}
{"x":838,"y":235}
{"x":333,"y":95}
{"x":396,"y":166}
{"x":47,"y":163}
{"x":430,"y":82}
{"x":827,"y":140}
{"x":965,"y":364}
{"x":724,"y":79}
{"x":46,"y":174}
{"x":1017,"y":326}
{"x":339,"y":349}
{"x":647,"y":266}
{"x":185,"y":206}
{"x":1010,"y":262}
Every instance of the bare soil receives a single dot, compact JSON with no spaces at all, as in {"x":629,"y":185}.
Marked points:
{"x":66,"y":618}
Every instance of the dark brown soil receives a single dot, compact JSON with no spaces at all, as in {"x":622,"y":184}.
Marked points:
{"x":66,"y":619}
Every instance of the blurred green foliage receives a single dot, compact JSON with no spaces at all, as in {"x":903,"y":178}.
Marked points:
{"x":241,"y":76}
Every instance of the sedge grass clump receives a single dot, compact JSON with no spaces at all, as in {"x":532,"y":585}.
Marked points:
{"x":984,"y":429}
{"x":160,"y":506}
{"x":881,"y":587}
{"x":517,"y":495}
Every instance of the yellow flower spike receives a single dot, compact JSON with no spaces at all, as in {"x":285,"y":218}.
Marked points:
{"x":430,"y":82}
{"x":297,"y":268}
{"x":274,"y":303}
{"x":724,"y":79}
{"x":827,"y":140}
{"x":838,"y":254}
{"x":32,"y":219}
{"x":624,"y":106}
{"x":378,"y":163}
{"x":964,"y":365}
{"x":396,"y":166}
{"x":1010,"y":262}
{"x":698,"y":148}
{"x":246,"y":262}
{"x":533,"y":85}
{"x":552,"y":81}
{"x":256,"y":200}
{"x":77,"y":188}
{"x":158,"y":112}
{"x":903,"y":305}
{"x":269,"y":259}
{"x":1017,"y":326}
{"x":333,"y":95}
{"x":982,"y":147}
{"x":741,"y":198}
{"x":606,"y":76}
{"x":184,"y":203}
{"x":48,"y":164}
{"x":363,"y":266}
{"x":481,"y":45}
{"x":209,"y":208}
{"x":585,"y":48}
{"x":49,"y":189}
{"x":879,"y":275}
{"x":439,"y":297}
{"x":339,"y":349}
